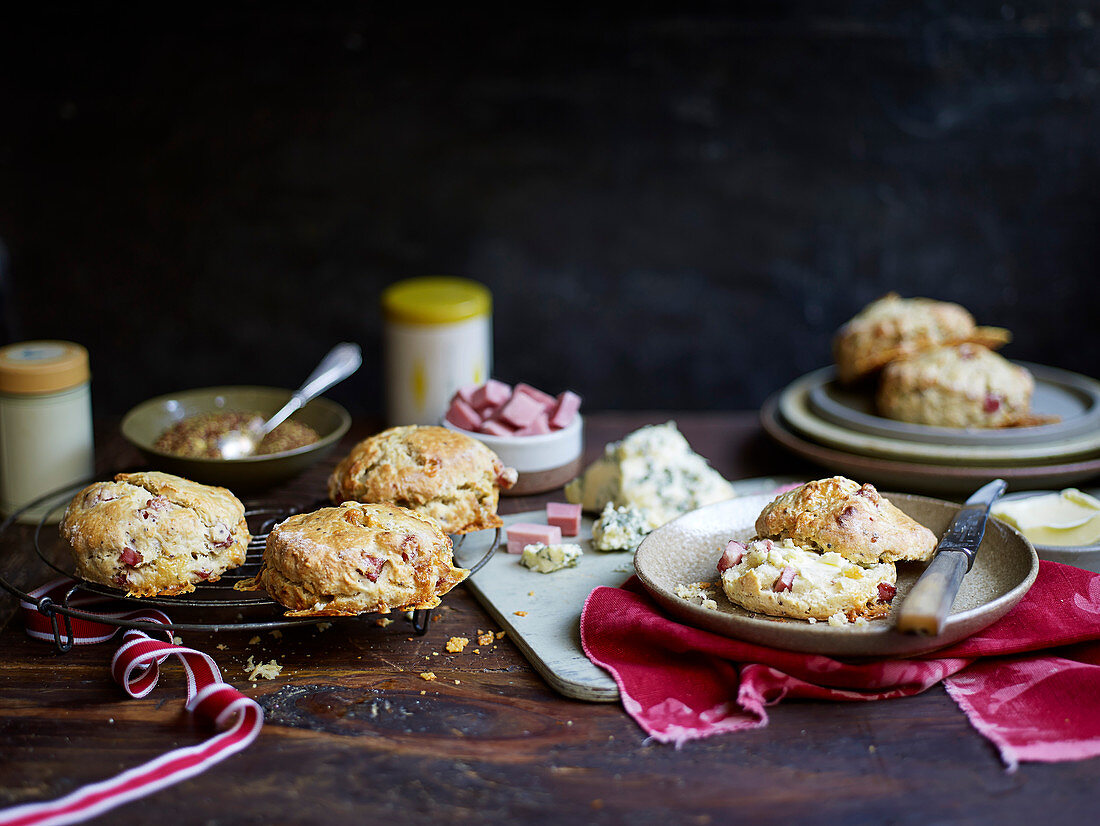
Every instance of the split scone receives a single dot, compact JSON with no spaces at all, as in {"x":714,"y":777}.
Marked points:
{"x":894,"y":327}
{"x":965,"y":385}
{"x":780,"y":578}
{"x":154,"y":534}
{"x":451,"y":477}
{"x":355,"y":559}
{"x":848,"y":518}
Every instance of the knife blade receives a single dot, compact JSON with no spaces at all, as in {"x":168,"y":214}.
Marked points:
{"x":928,"y":603}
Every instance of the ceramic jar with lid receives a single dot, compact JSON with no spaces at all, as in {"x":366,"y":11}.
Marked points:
{"x":438,"y":337}
{"x":45,"y":423}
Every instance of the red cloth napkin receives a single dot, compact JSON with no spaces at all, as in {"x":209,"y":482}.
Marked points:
{"x":1030,"y":682}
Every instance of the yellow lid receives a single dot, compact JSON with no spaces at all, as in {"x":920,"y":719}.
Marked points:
{"x":436,"y":299}
{"x":32,"y":367}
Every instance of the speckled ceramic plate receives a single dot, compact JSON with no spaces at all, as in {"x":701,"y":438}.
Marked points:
{"x":687,"y":549}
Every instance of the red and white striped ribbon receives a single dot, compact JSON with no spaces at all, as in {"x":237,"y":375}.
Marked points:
{"x":136,"y":667}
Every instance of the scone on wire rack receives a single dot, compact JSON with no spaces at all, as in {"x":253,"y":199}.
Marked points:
{"x":154,"y":534}
{"x":448,"y":476}
{"x":842,"y":516}
{"x":779,"y":578}
{"x":894,"y":327}
{"x":356,"y":559}
{"x":965,"y":385}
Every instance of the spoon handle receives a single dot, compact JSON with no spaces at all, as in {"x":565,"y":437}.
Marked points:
{"x":341,"y":361}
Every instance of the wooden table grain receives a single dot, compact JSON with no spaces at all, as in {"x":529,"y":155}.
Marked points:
{"x":354,"y":733}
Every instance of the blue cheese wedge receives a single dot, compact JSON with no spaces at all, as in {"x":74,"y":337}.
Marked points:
{"x":619,"y":529}
{"x":653,"y":469}
{"x":549,"y":558}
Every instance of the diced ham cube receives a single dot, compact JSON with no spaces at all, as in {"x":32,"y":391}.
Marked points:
{"x":371,"y":567}
{"x":130,"y":557}
{"x":568,"y":405}
{"x":886,"y":592}
{"x":785,"y":580}
{"x":461,"y":414}
{"x":491,"y":394}
{"x":564,"y":516}
{"x":528,"y":533}
{"x":545,"y":400}
{"x":466,"y":393}
{"x":520,"y":410}
{"x":539,"y":427}
{"x":496,"y":428}
{"x":734,"y":553}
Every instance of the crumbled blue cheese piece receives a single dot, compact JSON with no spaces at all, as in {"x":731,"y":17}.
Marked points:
{"x":655,"y":470}
{"x":619,"y":529}
{"x":549,"y":558}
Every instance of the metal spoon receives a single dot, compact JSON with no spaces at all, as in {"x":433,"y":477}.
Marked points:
{"x":341,"y":361}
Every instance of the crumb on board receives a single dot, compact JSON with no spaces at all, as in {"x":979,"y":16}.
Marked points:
{"x":457,"y":644}
{"x":520,"y":613}
{"x":177,"y":640}
{"x":254,"y":640}
{"x":262,"y":670}
{"x":383,"y":622}
{"x":500,"y":635}
{"x":427,"y":675}
{"x":277,"y":634}
{"x":221,"y":646}
{"x":484,"y":637}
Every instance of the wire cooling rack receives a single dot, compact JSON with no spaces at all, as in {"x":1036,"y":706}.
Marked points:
{"x":211,"y":607}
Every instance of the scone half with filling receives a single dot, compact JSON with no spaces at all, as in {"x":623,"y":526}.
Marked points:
{"x":842,"y":516}
{"x":357,"y":558}
{"x":154,"y":534}
{"x":779,"y":578}
{"x":447,"y":476}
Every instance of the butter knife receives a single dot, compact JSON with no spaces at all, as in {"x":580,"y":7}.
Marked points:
{"x":928,"y":603}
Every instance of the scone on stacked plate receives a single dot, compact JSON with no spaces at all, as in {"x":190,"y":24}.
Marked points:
{"x":934,"y":365}
{"x":154,"y":534}
{"x":824,"y":551}
{"x":893,"y":327}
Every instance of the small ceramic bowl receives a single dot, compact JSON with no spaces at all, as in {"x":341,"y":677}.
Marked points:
{"x":146,"y":422}
{"x":1080,"y":556}
{"x":544,"y":462}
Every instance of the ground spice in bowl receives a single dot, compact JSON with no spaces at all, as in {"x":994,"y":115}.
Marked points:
{"x":196,"y":437}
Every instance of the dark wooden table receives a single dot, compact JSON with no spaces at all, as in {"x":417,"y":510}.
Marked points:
{"x":354,"y":734}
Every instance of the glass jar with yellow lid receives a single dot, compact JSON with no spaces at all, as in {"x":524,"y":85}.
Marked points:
{"x":45,"y":422}
{"x":438,"y":337}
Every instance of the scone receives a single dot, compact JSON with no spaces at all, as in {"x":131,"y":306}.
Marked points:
{"x":355,"y":559}
{"x":848,"y":518}
{"x":965,"y":385}
{"x":894,"y":327}
{"x":784,"y":580}
{"x":154,"y":534}
{"x":454,"y":479}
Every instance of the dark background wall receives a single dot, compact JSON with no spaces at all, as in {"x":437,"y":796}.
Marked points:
{"x":671,"y":209}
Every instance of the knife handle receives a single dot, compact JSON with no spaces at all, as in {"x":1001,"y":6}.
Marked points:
{"x":926,"y":607}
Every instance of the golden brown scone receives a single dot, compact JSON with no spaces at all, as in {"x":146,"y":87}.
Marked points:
{"x":154,"y":534}
{"x":965,"y":385}
{"x":454,"y":479}
{"x":356,"y":558}
{"x":894,"y":327}
{"x":853,"y":520}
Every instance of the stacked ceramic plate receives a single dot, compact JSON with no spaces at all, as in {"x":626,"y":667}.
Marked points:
{"x":837,"y":427}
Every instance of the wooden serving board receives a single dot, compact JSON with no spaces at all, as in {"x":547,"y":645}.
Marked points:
{"x":547,"y":627}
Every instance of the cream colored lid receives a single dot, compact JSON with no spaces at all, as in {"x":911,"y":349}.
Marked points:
{"x":36,"y":367}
